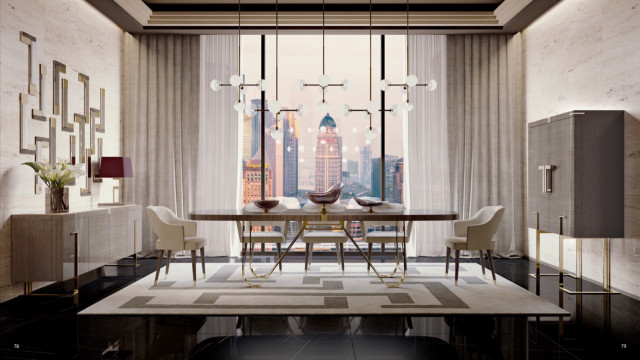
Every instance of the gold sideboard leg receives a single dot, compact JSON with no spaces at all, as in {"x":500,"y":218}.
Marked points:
{"x":537,"y":274}
{"x":606,"y":265}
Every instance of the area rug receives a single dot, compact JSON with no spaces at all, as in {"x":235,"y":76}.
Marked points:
{"x":324,"y":290}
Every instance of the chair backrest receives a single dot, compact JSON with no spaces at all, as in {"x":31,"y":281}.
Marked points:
{"x":487,"y":221}
{"x":170,"y":236}
{"x":365,"y":225}
{"x":283,"y":225}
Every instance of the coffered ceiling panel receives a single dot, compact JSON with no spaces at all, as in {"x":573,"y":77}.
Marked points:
{"x":340,"y":16}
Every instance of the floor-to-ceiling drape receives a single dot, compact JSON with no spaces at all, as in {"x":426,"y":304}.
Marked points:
{"x":160,"y":122}
{"x":219,"y":164}
{"x":427,"y":162}
{"x":486,"y":130}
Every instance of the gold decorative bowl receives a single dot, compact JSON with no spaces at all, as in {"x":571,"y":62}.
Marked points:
{"x":367,"y":203}
{"x":266,"y":205}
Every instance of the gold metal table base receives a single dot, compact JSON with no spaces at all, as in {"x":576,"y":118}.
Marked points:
{"x":265,"y":277}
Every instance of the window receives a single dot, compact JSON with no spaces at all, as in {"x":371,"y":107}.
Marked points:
{"x":321,"y":149}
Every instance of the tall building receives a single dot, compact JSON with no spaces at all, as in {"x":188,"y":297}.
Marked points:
{"x":398,"y":181}
{"x":256,"y":130}
{"x":328,"y":155}
{"x":251,"y":180}
{"x":290,"y":155}
{"x":376,"y":173}
{"x":352,"y":168}
{"x":365,"y":165}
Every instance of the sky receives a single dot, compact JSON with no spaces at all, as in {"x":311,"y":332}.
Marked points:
{"x":346,"y":57}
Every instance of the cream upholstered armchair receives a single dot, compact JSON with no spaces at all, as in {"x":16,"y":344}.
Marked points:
{"x":475,"y":233}
{"x":385,"y":236}
{"x":272,"y":236}
{"x":175,"y":234}
{"x":324,"y":232}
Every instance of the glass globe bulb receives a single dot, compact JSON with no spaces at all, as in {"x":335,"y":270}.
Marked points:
{"x":275,"y":106}
{"x":373,"y":107}
{"x":301,"y":160}
{"x":263,"y":85}
{"x":290,"y":130}
{"x":407,"y":106}
{"x":345,"y":148}
{"x":344,"y":161}
{"x":215,"y":85}
{"x":239,"y":106}
{"x":280,"y":116}
{"x":356,"y":149}
{"x":346,"y":110}
{"x":301,"y":148}
{"x":395,"y":110}
{"x":323,"y":80}
{"x":346,"y":84}
{"x":370,"y":133}
{"x":288,"y":148}
{"x":309,"y":130}
{"x":331,"y":149}
{"x":302,"y":109}
{"x":276,"y":133}
{"x":314,"y":149}
{"x":249,"y":109}
{"x":432,"y":85}
{"x":411,"y":80}
{"x":323,"y":129}
{"x":336,"y":130}
{"x":235,"y":80}
{"x":355,"y":129}
{"x":300,"y":84}
{"x":384,"y":85}
{"x":322,"y":142}
{"x":323,"y":106}
{"x":367,"y":141}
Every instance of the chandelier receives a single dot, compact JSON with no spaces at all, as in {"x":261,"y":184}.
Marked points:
{"x":323,"y":80}
{"x":237,"y":81}
{"x":410,"y":80}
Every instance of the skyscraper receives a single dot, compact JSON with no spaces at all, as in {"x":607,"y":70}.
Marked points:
{"x":270,"y":144}
{"x":376,"y":173}
{"x":352,"y":168}
{"x":328,"y":155}
{"x":365,"y":165}
{"x":290,"y":155}
{"x":398,"y":181}
{"x":251,"y":180}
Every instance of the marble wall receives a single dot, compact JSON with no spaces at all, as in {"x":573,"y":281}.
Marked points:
{"x":583,"y":55}
{"x":76,"y":34}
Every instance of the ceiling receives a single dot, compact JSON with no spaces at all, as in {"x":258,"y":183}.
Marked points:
{"x":340,"y":16}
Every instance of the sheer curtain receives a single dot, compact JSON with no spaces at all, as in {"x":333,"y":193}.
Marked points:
{"x":487,"y":130}
{"x":426,"y":152}
{"x":160,"y":122}
{"x":219,"y":163}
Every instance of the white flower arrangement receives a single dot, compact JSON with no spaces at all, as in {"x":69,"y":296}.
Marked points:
{"x":58,"y":177}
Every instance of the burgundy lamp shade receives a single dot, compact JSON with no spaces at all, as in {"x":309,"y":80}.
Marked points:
{"x":115,"y":167}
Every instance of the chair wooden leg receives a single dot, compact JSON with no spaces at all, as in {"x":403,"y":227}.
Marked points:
{"x":457,"y":265}
{"x":446,"y":268}
{"x":279,"y":246}
{"x":306,"y":258}
{"x":338,"y":252}
{"x":493,"y":271}
{"x":369,"y":255}
{"x":484,"y":276}
{"x":204,"y":271}
{"x":193,"y":266}
{"x":166,"y":270}
{"x":160,"y":256}
{"x":342,"y":256}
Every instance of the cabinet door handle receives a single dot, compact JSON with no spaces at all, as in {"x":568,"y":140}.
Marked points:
{"x":547,"y":178}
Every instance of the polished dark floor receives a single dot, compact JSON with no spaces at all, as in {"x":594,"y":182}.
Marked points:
{"x":37,"y":327}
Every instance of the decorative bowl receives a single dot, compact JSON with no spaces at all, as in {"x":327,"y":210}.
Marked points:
{"x":367,"y":202}
{"x":324,"y":198}
{"x":266,"y":205}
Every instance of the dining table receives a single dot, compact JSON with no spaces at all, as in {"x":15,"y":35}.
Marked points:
{"x":342,"y":216}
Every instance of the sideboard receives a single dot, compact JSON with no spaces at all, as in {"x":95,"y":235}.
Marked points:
{"x":43,"y":245}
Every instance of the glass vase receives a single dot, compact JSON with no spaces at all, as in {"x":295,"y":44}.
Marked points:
{"x":57,"y":200}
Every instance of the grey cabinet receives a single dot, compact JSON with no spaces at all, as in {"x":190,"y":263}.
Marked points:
{"x":576,"y":171}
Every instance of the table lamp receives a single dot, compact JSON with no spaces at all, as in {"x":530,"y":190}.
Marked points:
{"x":115,"y":167}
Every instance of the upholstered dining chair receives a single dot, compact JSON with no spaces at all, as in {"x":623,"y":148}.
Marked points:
{"x":271,"y":236}
{"x":475,"y":233}
{"x":385,"y":236}
{"x":331,"y":232}
{"x":175,"y":234}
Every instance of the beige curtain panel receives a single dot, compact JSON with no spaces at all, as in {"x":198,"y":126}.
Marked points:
{"x":160,"y":122}
{"x":486,"y":131}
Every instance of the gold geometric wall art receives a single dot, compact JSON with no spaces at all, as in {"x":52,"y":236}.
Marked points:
{"x":31,"y":43}
{"x":25,"y":146}
{"x":38,"y":114}
{"x":101,"y":126}
{"x":42,"y":144}
{"x":81,"y":128}
{"x":58,"y":68}
{"x":66,"y":125}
